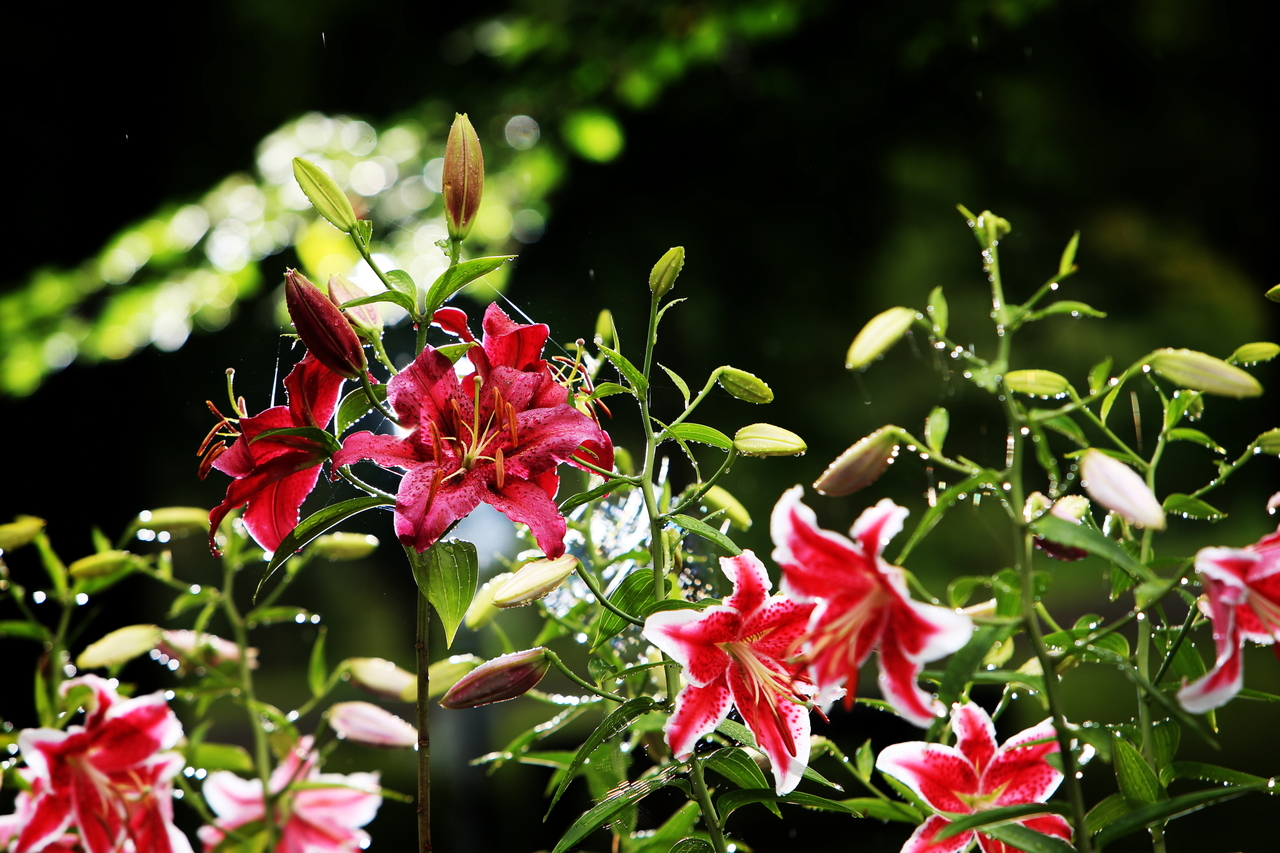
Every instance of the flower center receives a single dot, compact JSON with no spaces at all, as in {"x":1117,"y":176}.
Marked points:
{"x":481,"y":443}
{"x":845,"y":629}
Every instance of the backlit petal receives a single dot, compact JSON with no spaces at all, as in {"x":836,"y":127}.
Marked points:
{"x":698,"y":711}
{"x":692,"y":639}
{"x":781,"y":726}
{"x":939,"y":774}
{"x":922,"y":840}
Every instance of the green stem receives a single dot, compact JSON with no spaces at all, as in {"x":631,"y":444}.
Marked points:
{"x":589,"y":579}
{"x":709,"y":816}
{"x":585,"y":685}
{"x":373,"y":400}
{"x":424,"y":727}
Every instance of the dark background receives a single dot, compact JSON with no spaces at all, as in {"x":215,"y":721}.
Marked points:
{"x":812,"y":178}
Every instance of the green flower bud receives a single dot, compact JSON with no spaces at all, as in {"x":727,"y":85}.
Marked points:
{"x":365,"y":319}
{"x":533,"y":581}
{"x":1037,"y":383}
{"x":322,"y":327}
{"x":99,"y":565}
{"x":498,"y":680}
{"x":1201,"y":372}
{"x":345,"y":546}
{"x":1255,"y":353}
{"x":383,"y":678}
{"x":1269,"y":442}
{"x":744,"y":386}
{"x":174,"y":520}
{"x":120,"y":646}
{"x":862,"y":464}
{"x":768,"y":440}
{"x":665,"y":272}
{"x":463,"y":178}
{"x":22,"y":530}
{"x":881,"y":332}
{"x":482,"y":608}
{"x":327,"y":197}
{"x":717,"y":498}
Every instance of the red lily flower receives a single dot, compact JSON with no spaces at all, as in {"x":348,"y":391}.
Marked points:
{"x":976,"y":775}
{"x":1243,"y":586}
{"x":863,"y":604}
{"x":737,"y":654}
{"x":275,"y":474}
{"x":108,"y":778}
{"x":494,"y":436}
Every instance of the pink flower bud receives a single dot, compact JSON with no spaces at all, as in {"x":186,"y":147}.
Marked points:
{"x":860,"y":465}
{"x":1118,"y":487}
{"x":498,"y":680}
{"x":205,"y":648}
{"x":367,"y":723}
{"x":463,"y":179}
{"x":322,"y":327}
{"x":383,"y":678}
{"x":366,"y":319}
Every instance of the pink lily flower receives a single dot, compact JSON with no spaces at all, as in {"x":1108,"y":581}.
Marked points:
{"x":324,"y":817}
{"x":494,"y":436}
{"x":976,"y":775}
{"x":1243,"y":587}
{"x":862,"y":604}
{"x":275,"y":474}
{"x":738,"y":654}
{"x":109,"y":778}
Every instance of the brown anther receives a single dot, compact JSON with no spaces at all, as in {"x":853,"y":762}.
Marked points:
{"x":511,"y":426}
{"x":207,"y":462}
{"x":436,"y":454}
{"x":497,"y":465}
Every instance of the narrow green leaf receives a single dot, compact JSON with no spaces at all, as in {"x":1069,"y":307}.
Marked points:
{"x":404,"y":300}
{"x":1073,"y":535}
{"x":672,"y":833}
{"x":1067,"y":263}
{"x":24,"y":631}
{"x":1024,"y":838}
{"x":985,"y":819}
{"x":1063,"y":425}
{"x":314,"y":435}
{"x":315,"y":525}
{"x":964,"y":663}
{"x":700,"y":434}
{"x":624,"y":795}
{"x":707,"y":532}
{"x":692,"y":845}
{"x":403,"y":282}
{"x":447,"y":574}
{"x":1189,"y":507}
{"x":355,"y":405}
{"x":934,"y":513}
{"x":1196,"y":436}
{"x":1099,"y":374}
{"x":628,"y":370}
{"x":1109,"y":401}
{"x":457,"y":277}
{"x":318,"y":670}
{"x":1250,"y":693}
{"x":575,"y":501}
{"x":1213,"y":773}
{"x":276,"y":615}
{"x":865,"y":761}
{"x":1166,"y":810}
{"x":1135,"y":777}
{"x":737,"y":731}
{"x":680,"y":383}
{"x":453,"y":352}
{"x":1106,"y":812}
{"x":608,"y":389}
{"x":221,"y":756}
{"x":936,"y":427}
{"x":610,"y":726}
{"x":731,"y":801}
{"x":878,"y":809}
{"x":1066,"y":306}
{"x":630,"y":596}
{"x":734,"y":764}
{"x":937,"y":310}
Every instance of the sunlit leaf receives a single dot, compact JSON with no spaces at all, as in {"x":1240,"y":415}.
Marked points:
{"x":447,"y":574}
{"x":613,"y":724}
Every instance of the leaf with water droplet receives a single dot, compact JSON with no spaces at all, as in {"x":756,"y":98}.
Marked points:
{"x":936,"y":427}
{"x":1037,"y":383}
{"x":1066,"y":306}
{"x":1194,"y":435}
{"x":938,"y":312}
{"x":1067,"y":264}
{"x":1189,"y":507}
{"x":1099,"y":374}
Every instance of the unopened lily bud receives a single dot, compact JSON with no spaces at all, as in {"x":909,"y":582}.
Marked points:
{"x":604,"y":329}
{"x":463,"y":179}
{"x":443,"y":674}
{"x":175,"y":520}
{"x":665,"y":272}
{"x":1269,"y":442}
{"x":120,"y":646}
{"x":365,"y":319}
{"x":1255,"y":352}
{"x":364,"y":722}
{"x":881,"y":332}
{"x":860,"y":465}
{"x":482,"y":608}
{"x":744,"y":386}
{"x":345,"y":546}
{"x":1201,"y":372}
{"x":1037,"y":383}
{"x":498,"y":680}
{"x":768,"y":440}
{"x":383,"y":678}
{"x":20,"y":531}
{"x":325,"y":195}
{"x":1118,"y":487}
{"x":1037,"y":505}
{"x":322,"y":327}
{"x":718,"y":499}
{"x":99,"y":565}
{"x":208,"y":648}
{"x":533,"y":581}
{"x":1071,"y":508}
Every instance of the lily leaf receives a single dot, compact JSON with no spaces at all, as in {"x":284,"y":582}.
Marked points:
{"x":934,"y":513}
{"x":610,"y":726}
{"x":1167,"y":810}
{"x":355,"y":406}
{"x":315,"y":435}
{"x":457,"y":277}
{"x":1194,"y":435}
{"x":1066,"y":306}
{"x":630,"y":596}
{"x":1213,"y":773}
{"x":626,"y":794}
{"x":701,"y":435}
{"x":402,"y":281}
{"x":402,"y":299}
{"x":447,"y":575}
{"x":734,"y":764}
{"x":315,"y":525}
{"x":680,"y":383}
{"x":1106,"y":812}
{"x":707,"y":532}
{"x":1024,"y":838}
{"x":1073,"y":535}
{"x":628,"y":370}
{"x":1189,"y":507}
{"x":984,"y":819}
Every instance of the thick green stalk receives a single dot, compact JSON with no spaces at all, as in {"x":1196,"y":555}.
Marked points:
{"x":424,"y":726}
{"x":709,"y":816}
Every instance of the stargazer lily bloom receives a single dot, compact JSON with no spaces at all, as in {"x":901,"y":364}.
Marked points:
{"x":738,"y":654}
{"x":1243,"y":592}
{"x":862,"y":605}
{"x":274,"y":474}
{"x":109,"y":778}
{"x":976,"y":775}
{"x":494,"y":436}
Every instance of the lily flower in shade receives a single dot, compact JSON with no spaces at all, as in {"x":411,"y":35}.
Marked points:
{"x":976,"y":775}
{"x":325,"y":816}
{"x":109,"y":778}
{"x":275,"y":473}
{"x":1243,"y":592}
{"x":494,"y":436}
{"x":738,"y":654}
{"x":862,"y":605}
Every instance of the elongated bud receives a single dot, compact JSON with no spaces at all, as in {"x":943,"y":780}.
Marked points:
{"x":498,"y":680}
{"x":174,"y":520}
{"x":99,"y":565}
{"x":881,"y":332}
{"x":768,"y":440}
{"x":20,"y":531}
{"x":325,"y":195}
{"x":1201,"y":372}
{"x":364,"y":722}
{"x":1118,"y":487}
{"x":463,"y":181}
{"x":665,"y":272}
{"x":207,"y":648}
{"x":322,"y":327}
{"x":744,"y":386}
{"x":345,"y":546}
{"x":365,"y":319}
{"x":383,"y":678}
{"x":533,"y":581}
{"x":717,"y":498}
{"x":482,"y":608}
{"x":1255,"y":353}
{"x":1037,"y":383}
{"x":862,"y":464}
{"x":443,"y":674}
{"x":120,"y":646}
{"x":1070,"y":508}
{"x":1269,"y":442}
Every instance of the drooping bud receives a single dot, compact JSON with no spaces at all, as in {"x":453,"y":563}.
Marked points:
{"x":463,"y":179}
{"x":881,"y":332}
{"x":498,"y":680}
{"x":1201,"y":372}
{"x":1118,"y":487}
{"x":322,"y":327}
{"x":383,"y":678}
{"x":345,"y":546}
{"x":533,"y":581}
{"x":443,"y":674}
{"x":665,"y":272}
{"x":20,"y":531}
{"x":100,"y":564}
{"x":120,"y":646}
{"x":768,"y":440}
{"x":860,"y":465}
{"x":365,"y":319}
{"x":364,"y":722}
{"x":743,"y":385}
{"x":717,"y":498}
{"x":325,"y":195}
